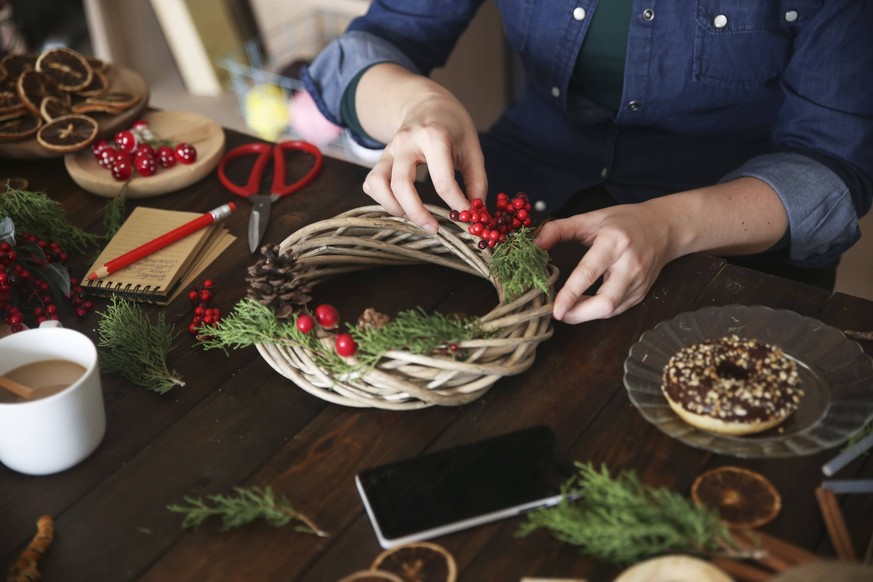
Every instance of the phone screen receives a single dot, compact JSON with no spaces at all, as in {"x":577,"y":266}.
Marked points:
{"x":459,"y":487}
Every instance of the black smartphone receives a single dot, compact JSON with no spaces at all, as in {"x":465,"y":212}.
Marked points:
{"x":460,"y":487}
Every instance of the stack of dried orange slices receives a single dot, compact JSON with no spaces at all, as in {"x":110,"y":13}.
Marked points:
{"x":52,"y":95}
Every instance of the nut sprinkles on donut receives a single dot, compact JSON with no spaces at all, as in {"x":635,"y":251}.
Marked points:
{"x":732,"y":386}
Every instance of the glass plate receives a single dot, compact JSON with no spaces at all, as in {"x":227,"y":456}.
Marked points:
{"x":837,"y":379}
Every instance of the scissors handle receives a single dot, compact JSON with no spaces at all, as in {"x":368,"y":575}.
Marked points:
{"x":253,"y":185}
{"x":279,"y":186}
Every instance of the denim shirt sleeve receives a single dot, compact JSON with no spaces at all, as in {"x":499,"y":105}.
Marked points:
{"x":328,"y":76}
{"x":821,"y":217}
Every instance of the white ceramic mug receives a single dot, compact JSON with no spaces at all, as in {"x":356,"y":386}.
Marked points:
{"x":51,"y":434}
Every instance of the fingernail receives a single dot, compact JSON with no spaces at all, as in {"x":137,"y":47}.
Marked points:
{"x":430,"y":228}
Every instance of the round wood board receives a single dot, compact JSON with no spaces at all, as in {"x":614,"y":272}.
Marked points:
{"x":120,"y":79}
{"x":174,"y":126}
{"x":673,"y":568}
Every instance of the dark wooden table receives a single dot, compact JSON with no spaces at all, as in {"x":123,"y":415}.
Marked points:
{"x":238,"y":423}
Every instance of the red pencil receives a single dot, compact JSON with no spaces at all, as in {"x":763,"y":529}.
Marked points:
{"x":157,"y":244}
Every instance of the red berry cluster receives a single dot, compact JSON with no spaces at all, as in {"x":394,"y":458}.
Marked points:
{"x":138,"y":149}
{"x":204,"y":316}
{"x":511,"y":215}
{"x":328,"y":318}
{"x":24,"y":293}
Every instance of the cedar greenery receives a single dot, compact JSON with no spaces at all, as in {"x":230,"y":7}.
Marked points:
{"x":37,"y":214}
{"x":415,"y":331}
{"x":520,"y":265}
{"x":248,"y":505}
{"x":621,"y":520}
{"x":134,"y":347}
{"x":114,"y":213}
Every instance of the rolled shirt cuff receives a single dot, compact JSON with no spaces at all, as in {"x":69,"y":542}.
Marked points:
{"x":330,"y":73}
{"x":821,"y":217}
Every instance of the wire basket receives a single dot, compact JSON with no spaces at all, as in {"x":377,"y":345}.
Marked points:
{"x":271,"y":62}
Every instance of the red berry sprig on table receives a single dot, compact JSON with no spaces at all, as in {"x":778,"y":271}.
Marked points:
{"x":204,"y":316}
{"x":328,"y":318}
{"x":510,"y":216}
{"x":134,"y":150}
{"x":25,"y":289}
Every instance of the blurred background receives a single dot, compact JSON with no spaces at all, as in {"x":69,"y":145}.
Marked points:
{"x":236,"y":61}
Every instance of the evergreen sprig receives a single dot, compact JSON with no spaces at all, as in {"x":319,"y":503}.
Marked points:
{"x":114,"y":213}
{"x":415,"y":331}
{"x":418,"y":332}
{"x":37,"y":214}
{"x":248,"y":505}
{"x":621,"y":520}
{"x":136,"y":348}
{"x":520,"y":265}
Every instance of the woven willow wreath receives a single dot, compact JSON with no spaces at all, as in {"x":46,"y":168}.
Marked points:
{"x":368,"y":237}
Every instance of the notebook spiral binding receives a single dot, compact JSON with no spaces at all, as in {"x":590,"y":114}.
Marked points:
{"x":144,"y":293}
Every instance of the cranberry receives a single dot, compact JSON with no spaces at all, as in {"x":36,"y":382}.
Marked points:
{"x":345,"y":345}
{"x":186,"y":153}
{"x":305,"y":323}
{"x":327,"y":316}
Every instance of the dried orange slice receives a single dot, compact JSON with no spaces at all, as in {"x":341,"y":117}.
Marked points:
{"x":67,"y":133}
{"x":19,"y":127}
{"x":371,"y":576}
{"x":114,"y":100}
{"x":743,"y":498}
{"x":51,"y":108}
{"x":16,"y":64}
{"x":10,"y":101}
{"x":97,"y":65}
{"x":418,"y":562}
{"x":68,"y":68}
{"x":34,"y":86}
{"x":99,"y":84}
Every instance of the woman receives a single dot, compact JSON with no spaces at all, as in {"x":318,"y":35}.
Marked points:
{"x":718,"y":126}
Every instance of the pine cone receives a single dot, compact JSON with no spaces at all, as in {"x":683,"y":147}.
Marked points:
{"x":279,"y":282}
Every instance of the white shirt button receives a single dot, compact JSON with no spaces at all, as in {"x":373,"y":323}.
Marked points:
{"x":579,"y":13}
{"x":604,"y":172}
{"x":556,"y":92}
{"x":791,"y":16}
{"x":720,"y":21}
{"x":540,"y":206}
{"x":648,"y":14}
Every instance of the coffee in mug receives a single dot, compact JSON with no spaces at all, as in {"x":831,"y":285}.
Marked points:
{"x":52,"y":431}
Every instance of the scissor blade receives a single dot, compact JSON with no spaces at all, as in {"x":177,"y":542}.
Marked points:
{"x":258,"y":220}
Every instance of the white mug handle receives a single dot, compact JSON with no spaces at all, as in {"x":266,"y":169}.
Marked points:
{"x":50,"y":323}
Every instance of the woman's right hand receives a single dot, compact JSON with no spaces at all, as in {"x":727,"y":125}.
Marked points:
{"x":422,"y":123}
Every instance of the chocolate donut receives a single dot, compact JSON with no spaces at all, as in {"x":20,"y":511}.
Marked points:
{"x":732,"y":386}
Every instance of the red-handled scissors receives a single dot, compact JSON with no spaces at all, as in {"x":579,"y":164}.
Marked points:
{"x":261,"y":202}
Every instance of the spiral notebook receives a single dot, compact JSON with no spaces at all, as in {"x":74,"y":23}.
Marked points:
{"x":160,"y":277}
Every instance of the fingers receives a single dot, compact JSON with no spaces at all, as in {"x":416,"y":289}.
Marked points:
{"x":391,"y":182}
{"x":594,"y":264}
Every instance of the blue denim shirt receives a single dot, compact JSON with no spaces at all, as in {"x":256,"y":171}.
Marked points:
{"x":780,"y":90}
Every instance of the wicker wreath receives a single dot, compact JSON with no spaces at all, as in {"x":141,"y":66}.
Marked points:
{"x":368,"y":237}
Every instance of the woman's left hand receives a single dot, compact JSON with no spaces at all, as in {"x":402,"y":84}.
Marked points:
{"x":628,"y":246}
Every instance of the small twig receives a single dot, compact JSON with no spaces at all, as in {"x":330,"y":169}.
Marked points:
{"x":835,"y":524}
{"x":25,"y":568}
{"x":860,"y":335}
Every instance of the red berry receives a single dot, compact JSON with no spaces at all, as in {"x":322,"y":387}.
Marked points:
{"x":327,"y":316}
{"x":125,"y":140}
{"x":97,"y":147}
{"x":205,"y":295}
{"x":208,"y":283}
{"x":140,"y":124}
{"x":144,"y":147}
{"x":121,"y":170}
{"x":455,"y":215}
{"x":186,"y":153}
{"x":305,"y":323}
{"x":145,"y":164}
{"x":107,"y":156}
{"x":166,"y":156}
{"x":464,"y":216}
{"x":345,"y":345}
